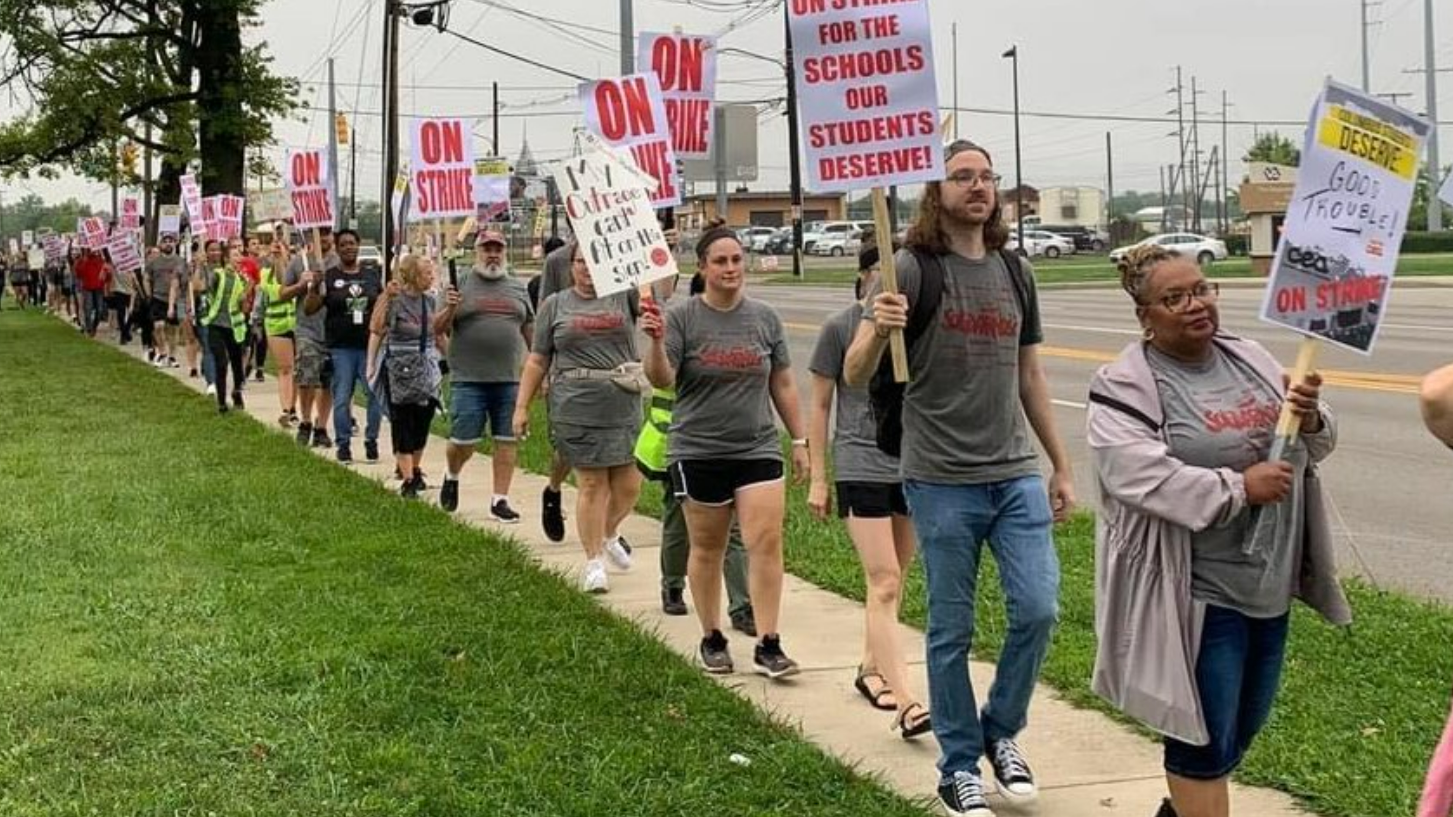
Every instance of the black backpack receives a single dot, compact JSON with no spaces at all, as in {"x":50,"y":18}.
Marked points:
{"x":885,"y":395}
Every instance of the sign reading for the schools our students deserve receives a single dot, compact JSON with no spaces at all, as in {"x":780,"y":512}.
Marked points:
{"x":609,"y":205}
{"x":685,"y":65}
{"x":867,"y":96}
{"x":442,"y":166}
{"x":1335,"y":263}
{"x":628,"y":113}
{"x":311,"y":192}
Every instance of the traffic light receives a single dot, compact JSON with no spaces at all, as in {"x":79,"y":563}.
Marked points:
{"x":341,"y":124}
{"x":129,"y":153}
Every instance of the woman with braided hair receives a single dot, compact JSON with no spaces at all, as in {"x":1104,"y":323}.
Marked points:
{"x":1201,"y":543}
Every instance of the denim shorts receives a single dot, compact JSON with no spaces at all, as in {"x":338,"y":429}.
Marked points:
{"x":1237,"y":672}
{"x":471,"y":405}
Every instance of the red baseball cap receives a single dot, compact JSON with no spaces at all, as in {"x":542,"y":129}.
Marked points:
{"x":489,"y":237}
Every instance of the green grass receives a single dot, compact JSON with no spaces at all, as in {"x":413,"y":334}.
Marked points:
{"x":1359,"y":710}
{"x":198,"y":618}
{"x":1082,"y":269}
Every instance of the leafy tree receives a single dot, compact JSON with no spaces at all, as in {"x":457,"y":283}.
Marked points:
{"x":1275,"y":149}
{"x":32,"y":213}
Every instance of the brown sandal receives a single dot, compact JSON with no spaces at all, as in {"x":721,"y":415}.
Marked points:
{"x":920,"y":725}
{"x":875,"y":698}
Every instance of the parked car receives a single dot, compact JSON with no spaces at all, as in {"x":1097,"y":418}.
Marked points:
{"x":838,"y":243}
{"x":370,"y":256}
{"x":1086,"y":239}
{"x":1042,"y":243}
{"x":832,"y":229}
{"x":1204,"y":250}
{"x":781,"y":242}
{"x":755,"y":238}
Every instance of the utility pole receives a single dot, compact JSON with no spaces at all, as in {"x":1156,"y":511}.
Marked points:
{"x":1435,"y":208}
{"x":115,"y":184}
{"x":1217,"y":167}
{"x":794,"y":161}
{"x":1366,"y":61}
{"x":628,"y":37}
{"x":1164,"y":202}
{"x":1109,"y":183}
{"x":1223,"y":212}
{"x":719,"y":165}
{"x":1181,"y":139}
{"x":353,"y":180}
{"x":1196,"y":186}
{"x":494,"y":141}
{"x":391,"y":12}
{"x":955,"y":29}
{"x":332,"y":138}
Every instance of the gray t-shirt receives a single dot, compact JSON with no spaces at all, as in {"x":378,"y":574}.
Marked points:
{"x":161,"y":271}
{"x":1222,"y":414}
{"x":724,"y":362}
{"x":408,"y":318}
{"x":596,"y":333}
{"x":557,"y":275}
{"x":963,"y":423}
{"x":855,"y":453}
{"x":487,"y":345}
{"x":309,"y":327}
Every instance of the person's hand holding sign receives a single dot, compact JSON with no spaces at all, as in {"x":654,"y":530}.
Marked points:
{"x":1305,"y":400}
{"x":651,"y":322}
{"x":890,"y":312}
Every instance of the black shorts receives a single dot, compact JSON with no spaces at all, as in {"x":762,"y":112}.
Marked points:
{"x":716,"y":482}
{"x":871,"y":500}
{"x":158,"y":311}
{"x":284,"y":335}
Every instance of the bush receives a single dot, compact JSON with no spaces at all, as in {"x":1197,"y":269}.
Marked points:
{"x":1423,"y":241}
{"x":1237,"y":244}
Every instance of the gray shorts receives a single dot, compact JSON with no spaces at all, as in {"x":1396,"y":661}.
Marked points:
{"x":310,"y":368}
{"x":586,"y":447}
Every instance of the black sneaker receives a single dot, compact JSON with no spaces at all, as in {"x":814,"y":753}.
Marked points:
{"x":222,"y":409}
{"x":193,"y":374}
{"x":502,"y":512}
{"x":771,"y":661}
{"x":552,"y":519}
{"x":419,"y":478}
{"x":370,"y":450}
{"x":449,"y":495}
{"x":673,"y":602}
{"x":963,"y":796}
{"x":715,"y":658}
{"x":1016,"y":781}
{"x":260,"y":377}
{"x":1166,"y":809}
{"x":743,"y":621}
{"x":409,"y":490}
{"x":237,"y":399}
{"x":345,"y":455}
{"x":321,"y":439}
{"x":305,"y":435}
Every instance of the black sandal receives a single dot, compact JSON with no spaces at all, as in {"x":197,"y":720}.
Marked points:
{"x":876,"y":699}
{"x":922,"y":726}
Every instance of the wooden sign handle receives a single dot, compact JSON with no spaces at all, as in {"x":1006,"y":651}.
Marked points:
{"x":1289,"y":425}
{"x":883,"y":230}
{"x":318,"y":247}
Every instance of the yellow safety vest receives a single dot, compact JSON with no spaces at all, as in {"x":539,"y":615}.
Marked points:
{"x":280,"y":316}
{"x":229,"y":288}
{"x":651,"y":445}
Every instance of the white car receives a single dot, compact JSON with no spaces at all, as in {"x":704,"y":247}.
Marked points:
{"x":1189,"y":245}
{"x":838,"y":244}
{"x":370,"y":255}
{"x":755,"y":238}
{"x":835,"y":233}
{"x":1042,"y":243}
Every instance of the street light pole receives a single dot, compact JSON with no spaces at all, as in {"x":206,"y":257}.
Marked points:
{"x":794,"y":161}
{"x":1013,"y":55}
{"x":392,"y":10}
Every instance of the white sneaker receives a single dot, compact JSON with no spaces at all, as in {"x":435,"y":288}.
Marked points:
{"x":617,"y":554}
{"x":211,"y":391}
{"x":594,"y":579}
{"x":159,"y":363}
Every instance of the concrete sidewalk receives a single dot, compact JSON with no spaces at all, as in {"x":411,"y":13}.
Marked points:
{"x":1087,"y":765}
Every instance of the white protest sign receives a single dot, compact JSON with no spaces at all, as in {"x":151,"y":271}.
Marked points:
{"x":610,"y":211}
{"x":868,"y":99}
{"x":685,"y":65}
{"x":192,"y":200}
{"x":27,"y":239}
{"x":491,"y":188}
{"x":1339,"y":249}
{"x":442,"y":163}
{"x":225,"y":216}
{"x":93,"y":233}
{"x":55,"y":248}
{"x":35,"y":257}
{"x":122,"y":249}
{"x":14,"y":246}
{"x":311,"y":190}
{"x":629,"y":113}
{"x":169,"y":220}
{"x":273,"y":204}
{"x":130,"y":213}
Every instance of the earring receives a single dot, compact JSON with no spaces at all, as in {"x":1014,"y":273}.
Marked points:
{"x":1148,"y":334}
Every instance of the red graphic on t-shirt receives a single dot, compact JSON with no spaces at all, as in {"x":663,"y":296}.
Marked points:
{"x":496,"y":306}
{"x":1249,"y":414}
{"x":598,"y":324}
{"x":986,"y":323}
{"x":731,"y":357}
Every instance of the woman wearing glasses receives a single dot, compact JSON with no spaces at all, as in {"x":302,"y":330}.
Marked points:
{"x":1202,"y":542}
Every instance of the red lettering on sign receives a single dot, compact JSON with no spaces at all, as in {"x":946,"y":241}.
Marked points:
{"x":1349,"y":293}
{"x":442,"y":142}
{"x":625,"y":109}
{"x":894,"y":128}
{"x":690,"y":121}
{"x":438,"y":191}
{"x":876,"y":163}
{"x":679,"y":64}
{"x":312,"y":207}
{"x":1291,"y":299}
{"x":803,"y":7}
{"x":864,"y":64}
{"x":308,"y":169}
{"x":651,"y":158}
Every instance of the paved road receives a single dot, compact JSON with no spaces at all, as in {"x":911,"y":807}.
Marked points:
{"x":1390,"y":484}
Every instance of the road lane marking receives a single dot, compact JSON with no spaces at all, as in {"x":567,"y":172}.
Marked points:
{"x":1069,"y":404}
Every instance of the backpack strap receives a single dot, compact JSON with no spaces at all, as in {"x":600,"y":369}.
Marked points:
{"x":1015,"y":264}
{"x":931,"y":275}
{"x":1124,"y":408}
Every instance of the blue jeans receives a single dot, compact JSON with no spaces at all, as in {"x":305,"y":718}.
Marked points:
{"x":350,"y":367}
{"x":953,"y":522}
{"x":1238,"y":669}
{"x":93,"y":309}
{"x":209,"y":362}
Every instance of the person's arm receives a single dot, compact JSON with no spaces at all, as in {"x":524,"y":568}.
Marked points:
{"x":313,"y":285}
{"x":819,"y":497}
{"x":656,"y":362}
{"x":444,"y":321}
{"x":789,"y":407}
{"x":1034,"y":396}
{"x":1436,"y":397}
{"x":871,"y":339}
{"x":536,"y":365}
{"x":378,"y":321}
{"x":375,"y":342}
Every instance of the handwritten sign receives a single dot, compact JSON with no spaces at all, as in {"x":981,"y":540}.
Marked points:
{"x":609,"y":206}
{"x":192,"y":200}
{"x":93,"y":233}
{"x":685,"y":65}
{"x":491,"y":189}
{"x":869,"y":101}
{"x":442,"y":163}
{"x":1335,"y":263}
{"x":310,"y":189}
{"x":130,"y":214}
{"x":55,"y":248}
{"x":169,"y":220}
{"x":629,"y":113}
{"x":273,"y":204}
{"x":122,"y":249}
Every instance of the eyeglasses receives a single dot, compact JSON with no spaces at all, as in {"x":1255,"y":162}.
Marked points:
{"x":578,"y":260}
{"x":968,"y":179}
{"x":1179,"y":301}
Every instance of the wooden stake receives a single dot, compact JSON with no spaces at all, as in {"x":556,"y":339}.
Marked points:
{"x":883,"y":230}
{"x":1289,"y":426}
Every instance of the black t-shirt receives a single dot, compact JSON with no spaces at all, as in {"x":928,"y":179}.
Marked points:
{"x":350,"y":300}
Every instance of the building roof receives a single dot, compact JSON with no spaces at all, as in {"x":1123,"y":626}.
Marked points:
{"x":766,"y":194}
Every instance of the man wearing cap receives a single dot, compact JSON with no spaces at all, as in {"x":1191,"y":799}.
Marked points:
{"x":160,"y":272}
{"x":348,"y":296}
{"x":489,"y":320}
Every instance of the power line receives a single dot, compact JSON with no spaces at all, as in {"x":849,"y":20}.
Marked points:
{"x":552,"y":69}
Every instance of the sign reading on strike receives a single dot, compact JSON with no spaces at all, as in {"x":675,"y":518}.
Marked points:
{"x":93,"y":233}
{"x":442,"y":167}
{"x":629,"y":113}
{"x":869,"y":100}
{"x":308,"y":185}
{"x":224,"y":215}
{"x":1339,"y":249}
{"x":609,"y":206}
{"x":685,"y":65}
{"x":130,"y":214}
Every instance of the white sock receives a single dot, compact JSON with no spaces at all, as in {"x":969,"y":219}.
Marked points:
{"x":450,"y":476}
{"x":498,"y":498}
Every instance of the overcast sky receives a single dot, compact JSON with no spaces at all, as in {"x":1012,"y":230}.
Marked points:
{"x":1111,"y":58}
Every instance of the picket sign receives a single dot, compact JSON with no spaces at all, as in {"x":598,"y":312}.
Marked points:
{"x":311,"y":190}
{"x":441,"y":162}
{"x":629,"y":113}
{"x":685,"y":66}
{"x":1333,"y":271}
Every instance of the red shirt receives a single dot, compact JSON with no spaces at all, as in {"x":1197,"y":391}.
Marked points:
{"x":91,"y":272}
{"x":250,"y":270}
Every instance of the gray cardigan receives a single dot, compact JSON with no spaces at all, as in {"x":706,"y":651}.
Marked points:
{"x":1148,"y":626}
